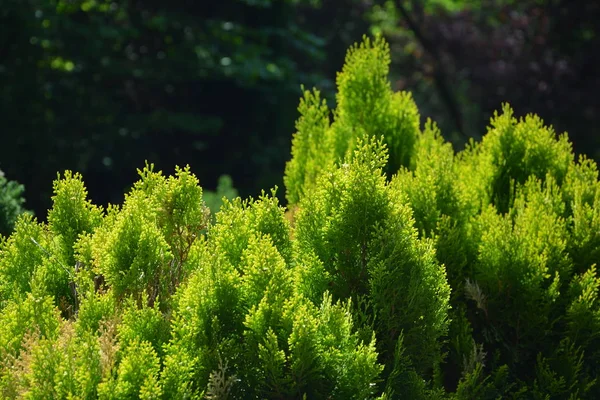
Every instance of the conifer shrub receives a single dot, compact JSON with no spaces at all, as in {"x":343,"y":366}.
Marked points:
{"x":399,"y":269}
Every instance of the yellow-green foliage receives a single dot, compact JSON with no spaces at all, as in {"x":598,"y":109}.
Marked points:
{"x":512,"y":151}
{"x":513,"y":219}
{"x":402,"y":269}
{"x":430,"y":185}
{"x":362,"y":230}
{"x":366,"y":107}
{"x":312,"y":151}
{"x":20,"y":254}
{"x":72,"y":214}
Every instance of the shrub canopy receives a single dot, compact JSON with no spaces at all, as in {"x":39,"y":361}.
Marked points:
{"x":400,"y":269}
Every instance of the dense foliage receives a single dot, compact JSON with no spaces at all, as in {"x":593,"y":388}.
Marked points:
{"x":400,"y":269}
{"x":11,"y":203}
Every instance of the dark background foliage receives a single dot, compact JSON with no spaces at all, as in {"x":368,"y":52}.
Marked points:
{"x":101,"y":86}
{"x":463,"y":59}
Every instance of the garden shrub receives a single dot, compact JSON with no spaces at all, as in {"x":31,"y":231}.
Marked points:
{"x":366,"y":107}
{"x":362,"y":230}
{"x":400,"y":268}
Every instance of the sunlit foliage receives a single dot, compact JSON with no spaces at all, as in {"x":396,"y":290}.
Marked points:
{"x":400,"y":270}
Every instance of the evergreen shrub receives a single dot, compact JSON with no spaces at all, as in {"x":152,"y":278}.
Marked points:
{"x":399,"y":269}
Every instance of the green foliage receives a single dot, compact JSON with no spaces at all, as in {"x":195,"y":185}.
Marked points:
{"x":366,"y":107}
{"x":32,"y":313}
{"x":136,"y":376}
{"x":511,"y":152}
{"x":520,"y":268}
{"x":311,"y":151}
{"x":362,"y":231}
{"x":512,"y":219}
{"x":20,"y":256}
{"x":430,"y":185}
{"x":581,"y":196}
{"x":11,"y":203}
{"x":94,"y":309}
{"x":60,"y":367}
{"x":244,"y":288}
{"x":131,"y":253}
{"x":72,"y":214}
{"x":456,"y":276}
{"x":225,"y":189}
{"x":143,"y":324}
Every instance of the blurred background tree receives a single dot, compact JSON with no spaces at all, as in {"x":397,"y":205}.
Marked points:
{"x":463,"y":58}
{"x":101,"y":86}
{"x":11,"y":201}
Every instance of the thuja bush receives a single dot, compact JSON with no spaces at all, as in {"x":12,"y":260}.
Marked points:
{"x":509,"y":223}
{"x":399,"y":269}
